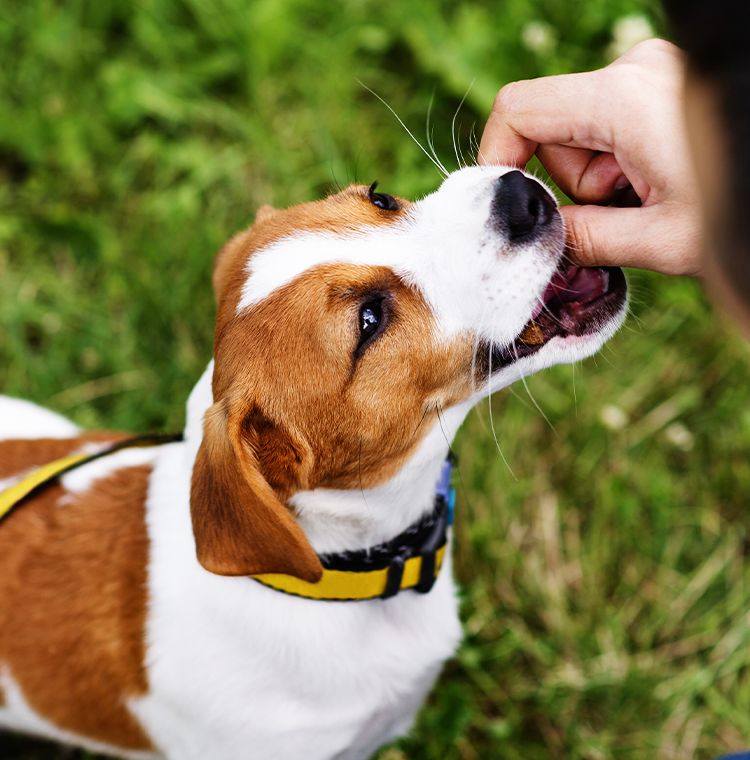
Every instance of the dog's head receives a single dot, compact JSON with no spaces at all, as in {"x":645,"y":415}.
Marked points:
{"x":346,"y":325}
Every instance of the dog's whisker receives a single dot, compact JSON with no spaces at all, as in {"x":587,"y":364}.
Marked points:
{"x":575,"y":393}
{"x":359,"y":475}
{"x":480,"y":156}
{"x":453,"y":124}
{"x":439,"y":412}
{"x":443,"y":171}
{"x":464,"y":160}
{"x":473,"y":141}
{"x":549,"y":312}
{"x":335,"y":184}
{"x":419,"y":424}
{"x":461,"y":157}
{"x":457,"y":464}
{"x":431,"y":141}
{"x":492,"y":421}
{"x":475,"y":347}
{"x":453,"y":140}
{"x":429,"y":128}
{"x":531,"y":395}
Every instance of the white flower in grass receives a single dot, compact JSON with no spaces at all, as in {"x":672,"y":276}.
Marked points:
{"x":679,"y":436}
{"x":613,"y":417}
{"x":627,"y":32}
{"x":539,"y":37}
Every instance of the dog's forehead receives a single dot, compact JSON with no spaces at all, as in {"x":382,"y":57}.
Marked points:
{"x":267,"y":253}
{"x":347,"y":210}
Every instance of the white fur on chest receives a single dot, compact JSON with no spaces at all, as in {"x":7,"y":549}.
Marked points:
{"x":238,"y":671}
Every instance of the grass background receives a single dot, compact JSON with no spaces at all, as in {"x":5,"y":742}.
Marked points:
{"x":605,"y":587}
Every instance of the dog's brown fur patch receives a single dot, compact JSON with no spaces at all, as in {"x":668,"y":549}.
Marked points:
{"x":73,"y":594}
{"x":23,"y":454}
{"x":340,"y":213}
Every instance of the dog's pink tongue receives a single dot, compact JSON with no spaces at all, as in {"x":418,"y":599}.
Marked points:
{"x":582,"y":284}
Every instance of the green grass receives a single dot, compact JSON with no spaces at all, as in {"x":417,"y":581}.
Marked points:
{"x":604,"y":583}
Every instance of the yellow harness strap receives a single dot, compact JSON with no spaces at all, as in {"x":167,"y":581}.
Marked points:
{"x":417,"y":572}
{"x":47,"y":473}
{"x":44,"y":474}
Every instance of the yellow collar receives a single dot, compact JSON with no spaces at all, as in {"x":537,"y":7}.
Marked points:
{"x":411,"y":561}
{"x":359,"y":585}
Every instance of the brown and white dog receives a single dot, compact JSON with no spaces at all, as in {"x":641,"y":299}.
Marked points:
{"x":353,"y":335}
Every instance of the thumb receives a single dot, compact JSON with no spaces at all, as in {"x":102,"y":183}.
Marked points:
{"x":660,"y":238}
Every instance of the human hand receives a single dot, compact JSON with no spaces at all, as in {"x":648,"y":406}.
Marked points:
{"x":598,"y":134}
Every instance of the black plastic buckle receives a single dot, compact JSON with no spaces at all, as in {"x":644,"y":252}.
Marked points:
{"x":437,"y":537}
{"x":427,"y":551}
{"x":394,"y":576}
{"x":427,"y":575}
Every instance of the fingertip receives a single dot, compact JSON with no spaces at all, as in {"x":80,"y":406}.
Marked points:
{"x":577,"y":236}
{"x":500,"y":146}
{"x":610,"y":236}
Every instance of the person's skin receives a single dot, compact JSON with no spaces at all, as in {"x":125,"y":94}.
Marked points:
{"x":599,"y":132}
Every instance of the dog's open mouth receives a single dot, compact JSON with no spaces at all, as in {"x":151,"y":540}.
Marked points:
{"x":577,"y":301}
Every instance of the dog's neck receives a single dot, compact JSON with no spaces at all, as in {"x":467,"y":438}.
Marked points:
{"x":346,"y":520}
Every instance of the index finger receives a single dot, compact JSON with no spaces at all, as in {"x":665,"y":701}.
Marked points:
{"x":557,"y":110}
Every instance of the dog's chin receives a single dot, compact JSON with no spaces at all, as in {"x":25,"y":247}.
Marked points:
{"x":579,"y":311}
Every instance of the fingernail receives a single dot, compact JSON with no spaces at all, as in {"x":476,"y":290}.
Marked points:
{"x":622,"y":182}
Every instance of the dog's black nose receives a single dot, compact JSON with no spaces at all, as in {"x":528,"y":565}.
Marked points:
{"x":521,"y":206}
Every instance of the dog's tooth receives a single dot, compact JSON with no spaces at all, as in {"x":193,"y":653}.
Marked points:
{"x":532,"y":335}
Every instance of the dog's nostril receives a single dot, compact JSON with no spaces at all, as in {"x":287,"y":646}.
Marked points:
{"x":532,"y":209}
{"x":521,"y":206}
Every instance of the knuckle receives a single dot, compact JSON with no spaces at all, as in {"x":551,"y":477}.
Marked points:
{"x":629,"y":80}
{"x":654,"y":54}
{"x":651,"y":70}
{"x":658,"y":46}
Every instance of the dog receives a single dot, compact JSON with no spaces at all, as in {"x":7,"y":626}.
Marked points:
{"x":277,"y":584}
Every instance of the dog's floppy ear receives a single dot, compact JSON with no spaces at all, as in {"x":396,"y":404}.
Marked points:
{"x":241,"y":527}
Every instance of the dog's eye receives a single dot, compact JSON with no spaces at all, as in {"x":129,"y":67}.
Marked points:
{"x":382,"y":200}
{"x":370,"y":319}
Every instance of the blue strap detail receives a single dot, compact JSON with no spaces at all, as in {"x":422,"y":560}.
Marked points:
{"x":445,"y":490}
{"x":444,"y":481}
{"x":451,"y":505}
